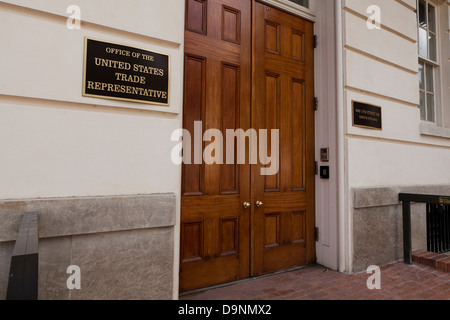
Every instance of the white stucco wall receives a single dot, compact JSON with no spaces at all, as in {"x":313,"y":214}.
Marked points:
{"x":380,"y":68}
{"x":56,"y":143}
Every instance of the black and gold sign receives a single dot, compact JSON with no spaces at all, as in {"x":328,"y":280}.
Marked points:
{"x":367,"y":116}
{"x":115,"y":71}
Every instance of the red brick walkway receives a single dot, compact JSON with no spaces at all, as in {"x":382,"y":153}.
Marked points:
{"x":398,"y":282}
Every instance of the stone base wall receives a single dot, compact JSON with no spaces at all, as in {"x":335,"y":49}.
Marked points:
{"x":124,"y":246}
{"x":377,"y":224}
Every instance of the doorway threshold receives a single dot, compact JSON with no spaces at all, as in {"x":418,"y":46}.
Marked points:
{"x":228,"y":284}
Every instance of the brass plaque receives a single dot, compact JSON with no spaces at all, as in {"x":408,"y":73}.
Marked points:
{"x":120,"y":72}
{"x":367,"y":116}
{"x":444,"y":200}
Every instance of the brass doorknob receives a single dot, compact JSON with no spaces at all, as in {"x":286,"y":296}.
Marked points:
{"x":259,"y":204}
{"x":246,"y":205}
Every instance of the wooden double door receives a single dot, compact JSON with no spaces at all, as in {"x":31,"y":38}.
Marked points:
{"x":247,"y":66}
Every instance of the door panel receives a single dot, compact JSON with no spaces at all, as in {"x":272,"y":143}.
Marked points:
{"x":215,"y":245}
{"x":282,"y":99}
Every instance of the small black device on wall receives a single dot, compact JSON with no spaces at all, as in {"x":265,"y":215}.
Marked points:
{"x":325,"y":172}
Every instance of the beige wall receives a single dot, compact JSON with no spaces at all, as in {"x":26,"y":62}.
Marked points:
{"x":380,"y":68}
{"x":60,"y":143}
{"x":55,"y":143}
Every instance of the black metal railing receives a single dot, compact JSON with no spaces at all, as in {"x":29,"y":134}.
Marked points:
{"x":23,"y":275}
{"x":438,"y":228}
{"x":438,"y":223}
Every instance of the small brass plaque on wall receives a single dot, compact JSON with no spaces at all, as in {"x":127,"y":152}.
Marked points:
{"x":120,"y":72}
{"x":367,"y":116}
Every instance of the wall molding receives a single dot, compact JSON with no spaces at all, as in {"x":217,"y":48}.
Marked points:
{"x":367,"y":197}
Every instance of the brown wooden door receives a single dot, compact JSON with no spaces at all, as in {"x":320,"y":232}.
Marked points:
{"x":225,"y":88}
{"x":215,"y":245}
{"x":283,"y":95}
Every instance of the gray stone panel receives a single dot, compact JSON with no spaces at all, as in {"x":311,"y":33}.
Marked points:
{"x":54,"y":259}
{"x":377,"y":237}
{"x":125,"y":265}
{"x":71,"y":216}
{"x":124,"y":245}
{"x":6,"y":251}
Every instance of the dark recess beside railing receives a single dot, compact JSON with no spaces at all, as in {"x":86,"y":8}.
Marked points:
{"x":438,"y":223}
{"x":23,"y":275}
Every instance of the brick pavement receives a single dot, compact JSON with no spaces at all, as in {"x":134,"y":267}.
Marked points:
{"x":398,"y":282}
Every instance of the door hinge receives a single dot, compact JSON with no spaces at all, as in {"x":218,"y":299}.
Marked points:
{"x":315,"y":41}
{"x":316,"y":234}
{"x":316,"y":103}
{"x":316,"y":168}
